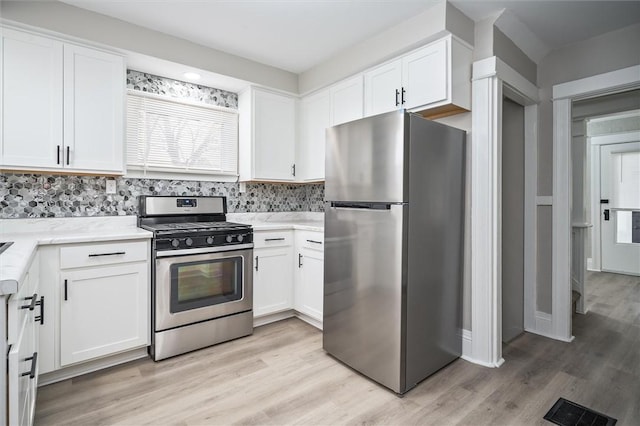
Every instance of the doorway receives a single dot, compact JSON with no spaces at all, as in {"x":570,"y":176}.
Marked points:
{"x":512,"y":219}
{"x":620,"y":208}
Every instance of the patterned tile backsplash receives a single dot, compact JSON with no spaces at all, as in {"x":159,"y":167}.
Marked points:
{"x":33,"y":196}
{"x":180,"y":89}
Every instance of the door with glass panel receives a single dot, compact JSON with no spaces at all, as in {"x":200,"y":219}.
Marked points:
{"x":620,"y":207}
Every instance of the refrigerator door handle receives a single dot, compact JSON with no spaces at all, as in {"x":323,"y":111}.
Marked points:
{"x":366,"y":206}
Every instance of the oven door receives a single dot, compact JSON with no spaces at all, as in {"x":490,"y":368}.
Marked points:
{"x":200,"y":287}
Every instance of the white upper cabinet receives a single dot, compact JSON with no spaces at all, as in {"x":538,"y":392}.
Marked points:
{"x":267,"y":136}
{"x":315,"y":115}
{"x":424,"y":76}
{"x":94,"y":83}
{"x":435,"y":80}
{"x":62,"y":106}
{"x":347,"y":100}
{"x":31,"y":92}
{"x":382,"y":87}
{"x":338,"y":104}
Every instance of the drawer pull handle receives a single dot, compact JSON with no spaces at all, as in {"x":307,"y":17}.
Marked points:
{"x":314,"y":241}
{"x":31,"y":306}
{"x":115,"y":253}
{"x":274,"y":239}
{"x":256,"y":263}
{"x":41,"y":316}
{"x":34,"y":363}
{"x":299,"y":260}
{"x":66,"y":290}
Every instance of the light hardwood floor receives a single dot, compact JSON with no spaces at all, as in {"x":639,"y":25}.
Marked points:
{"x":280,"y":375}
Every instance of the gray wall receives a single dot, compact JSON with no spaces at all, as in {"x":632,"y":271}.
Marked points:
{"x":607,"y":52}
{"x":511,"y":54}
{"x":512,"y":219}
{"x":97,"y":28}
{"x":463,"y":121}
{"x":490,"y":41}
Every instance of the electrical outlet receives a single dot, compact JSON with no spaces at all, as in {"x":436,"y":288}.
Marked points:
{"x":242,"y":187}
{"x":111,"y":186}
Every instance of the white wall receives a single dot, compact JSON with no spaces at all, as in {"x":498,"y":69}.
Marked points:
{"x":97,"y":28}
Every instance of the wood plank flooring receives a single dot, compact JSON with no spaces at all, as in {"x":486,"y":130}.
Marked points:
{"x":280,"y":375}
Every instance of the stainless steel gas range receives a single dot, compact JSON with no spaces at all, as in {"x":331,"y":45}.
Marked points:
{"x":202,"y":273}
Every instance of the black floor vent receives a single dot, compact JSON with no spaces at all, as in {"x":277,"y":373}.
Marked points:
{"x":567,"y":413}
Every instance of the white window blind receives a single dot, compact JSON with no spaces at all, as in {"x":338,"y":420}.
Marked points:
{"x":167,"y":135}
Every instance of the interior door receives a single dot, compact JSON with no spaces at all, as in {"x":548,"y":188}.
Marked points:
{"x":620,"y":207}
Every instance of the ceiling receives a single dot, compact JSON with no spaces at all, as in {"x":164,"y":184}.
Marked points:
{"x":296,"y":35}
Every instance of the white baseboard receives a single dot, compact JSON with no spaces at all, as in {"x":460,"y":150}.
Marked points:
{"x":544,"y":327}
{"x":466,"y":345}
{"x":268,"y":319}
{"x":314,"y":322}
{"x":91,"y":366}
{"x":467,"y":351}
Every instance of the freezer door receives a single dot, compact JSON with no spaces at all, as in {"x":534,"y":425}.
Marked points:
{"x":363,"y":280}
{"x":365,"y":159}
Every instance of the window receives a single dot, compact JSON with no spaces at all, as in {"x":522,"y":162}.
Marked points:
{"x":168,"y":135}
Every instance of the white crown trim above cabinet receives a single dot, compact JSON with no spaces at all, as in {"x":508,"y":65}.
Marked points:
{"x":267,"y":136}
{"x":62,"y":106}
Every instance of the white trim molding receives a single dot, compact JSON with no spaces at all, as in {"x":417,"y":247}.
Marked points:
{"x":563,"y":96}
{"x":492,"y":79}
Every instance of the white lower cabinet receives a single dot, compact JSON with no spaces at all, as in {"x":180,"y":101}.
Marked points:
{"x":98,"y":304}
{"x":22,"y":358}
{"x":309,"y":285}
{"x":272,"y":275}
{"x":288,"y":274}
{"x":103,"y":311}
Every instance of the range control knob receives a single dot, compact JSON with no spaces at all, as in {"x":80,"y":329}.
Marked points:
{"x":209,"y":240}
{"x":229,"y":238}
{"x":240,"y":238}
{"x":175,"y":242}
{"x":188,"y":242}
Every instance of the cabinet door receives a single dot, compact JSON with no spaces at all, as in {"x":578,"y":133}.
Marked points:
{"x":272,"y":280}
{"x":309,"y":289}
{"x":94,"y":84}
{"x":19,"y":362}
{"x":274,"y":136}
{"x":382,"y":88}
{"x":31,"y":93}
{"x":347,"y":101}
{"x":103,"y":311}
{"x":424,"y":75}
{"x":315,"y":113}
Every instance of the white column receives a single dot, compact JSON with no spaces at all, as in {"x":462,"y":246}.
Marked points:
{"x":486,"y":232}
{"x":561,"y":221}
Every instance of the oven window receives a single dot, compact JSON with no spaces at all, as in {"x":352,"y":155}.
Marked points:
{"x":205,"y":283}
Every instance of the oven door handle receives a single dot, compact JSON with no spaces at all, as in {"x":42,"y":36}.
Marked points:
{"x":203,"y":250}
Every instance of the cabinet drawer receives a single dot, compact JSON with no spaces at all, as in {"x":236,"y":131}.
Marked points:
{"x":311,"y":240}
{"x":263,"y":239}
{"x":78,"y":256}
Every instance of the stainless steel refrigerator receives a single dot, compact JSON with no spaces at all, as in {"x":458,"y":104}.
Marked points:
{"x":393,"y":265}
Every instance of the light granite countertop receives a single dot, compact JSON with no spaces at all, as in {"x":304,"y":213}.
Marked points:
{"x":28,"y":234}
{"x":309,"y":221}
